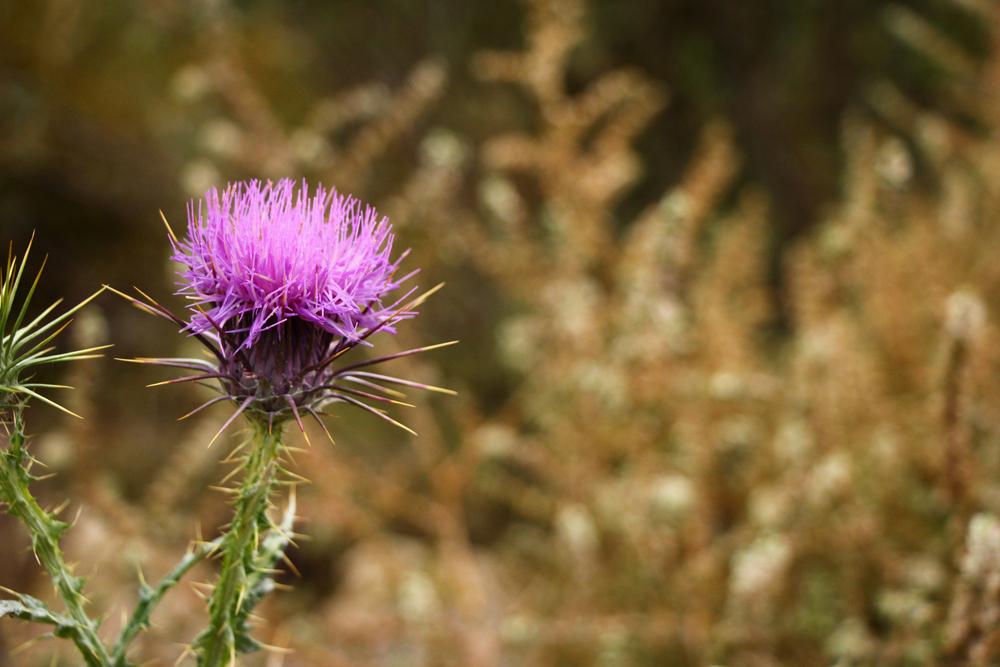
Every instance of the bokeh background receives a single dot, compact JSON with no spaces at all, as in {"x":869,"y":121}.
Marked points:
{"x":726,"y":276}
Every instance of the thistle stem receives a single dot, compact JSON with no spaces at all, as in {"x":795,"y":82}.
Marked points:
{"x":149,"y":597}
{"x":218,"y":644}
{"x":45,"y":531}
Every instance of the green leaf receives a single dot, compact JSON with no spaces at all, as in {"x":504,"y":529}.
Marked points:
{"x":32,"y":609}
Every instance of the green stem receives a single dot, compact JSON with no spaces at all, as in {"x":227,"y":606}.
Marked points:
{"x":45,"y":532}
{"x":149,"y":597}
{"x":218,"y":644}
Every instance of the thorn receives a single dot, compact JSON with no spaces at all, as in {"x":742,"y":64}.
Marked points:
{"x":279,"y":531}
{"x":173,"y":237}
{"x":320,"y":422}
{"x":188,"y":378}
{"x":276,"y":649}
{"x":230,"y":420}
{"x":291,"y":565}
{"x":389,"y":357}
{"x":135,"y":302}
{"x":292,"y":503}
{"x":377,"y":412}
{"x":205,"y":405}
{"x":296,"y":476}
{"x":187,"y":651}
{"x":26,"y":645}
{"x":337,"y":388}
{"x":426,"y":295}
{"x":385,"y":390}
{"x":231,"y":474}
{"x":392,"y":380}
{"x":298,"y":420}
{"x":232,"y":455}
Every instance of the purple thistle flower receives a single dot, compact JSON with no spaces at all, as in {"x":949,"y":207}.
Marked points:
{"x":262,"y":256}
{"x":282,"y":285}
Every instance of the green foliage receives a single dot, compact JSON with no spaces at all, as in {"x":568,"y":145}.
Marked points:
{"x":45,"y":532}
{"x":249,"y":552}
{"x":25,"y":346}
{"x":149,"y":597}
{"x":33,"y":609}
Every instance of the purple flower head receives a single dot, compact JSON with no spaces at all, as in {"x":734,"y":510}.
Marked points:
{"x":262,"y":255}
{"x":282,"y":285}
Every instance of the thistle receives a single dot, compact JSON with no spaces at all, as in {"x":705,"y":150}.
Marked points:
{"x":282,"y":285}
{"x":24,"y":346}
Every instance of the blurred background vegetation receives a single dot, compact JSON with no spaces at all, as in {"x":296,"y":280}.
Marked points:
{"x":725,"y":276}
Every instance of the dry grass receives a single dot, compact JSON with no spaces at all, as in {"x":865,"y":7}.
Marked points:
{"x":700,"y":462}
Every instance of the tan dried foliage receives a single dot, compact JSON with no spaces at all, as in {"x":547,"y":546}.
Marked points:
{"x":698,"y":463}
